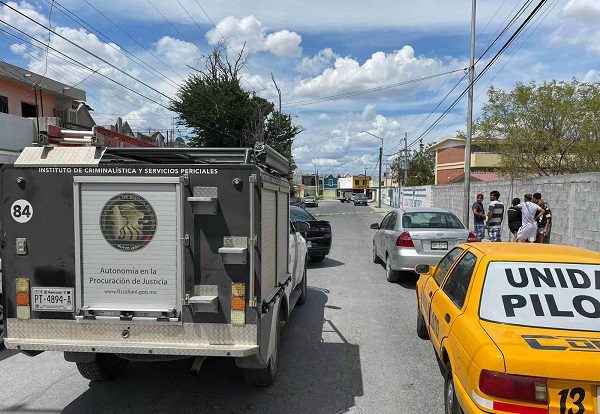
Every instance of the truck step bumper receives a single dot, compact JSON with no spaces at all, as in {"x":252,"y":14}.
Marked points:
{"x":185,"y":339}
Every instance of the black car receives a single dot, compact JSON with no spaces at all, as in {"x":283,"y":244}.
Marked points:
{"x":360,"y":200}
{"x":318,"y":238}
{"x":298,"y":202}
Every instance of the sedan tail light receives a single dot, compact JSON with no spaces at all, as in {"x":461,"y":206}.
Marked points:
{"x":472,"y":237}
{"x":404,"y":240}
{"x":514,"y":387}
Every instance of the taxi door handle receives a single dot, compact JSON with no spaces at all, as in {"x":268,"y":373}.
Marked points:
{"x":447,"y":318}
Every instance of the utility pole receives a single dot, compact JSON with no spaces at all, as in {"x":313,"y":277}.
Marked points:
{"x":467,"y":188}
{"x":365,"y":189}
{"x":405,"y":159}
{"x":316,"y":183}
{"x":380,"y":158}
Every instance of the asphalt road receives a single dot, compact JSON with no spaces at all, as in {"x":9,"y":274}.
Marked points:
{"x":351,"y":348}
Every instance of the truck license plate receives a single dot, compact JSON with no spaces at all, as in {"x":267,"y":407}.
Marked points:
{"x":439,"y":245}
{"x":52,"y":299}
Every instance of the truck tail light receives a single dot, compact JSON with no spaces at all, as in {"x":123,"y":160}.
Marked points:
{"x":23,"y":298}
{"x":404,"y":240}
{"x":513,"y":387}
{"x":471,"y":238}
{"x":238,"y":303}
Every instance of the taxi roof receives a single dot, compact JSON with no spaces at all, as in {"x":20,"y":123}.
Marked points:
{"x":534,"y":252}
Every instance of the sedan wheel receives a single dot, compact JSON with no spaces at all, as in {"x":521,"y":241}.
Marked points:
{"x":451,"y":405}
{"x":390,"y":275}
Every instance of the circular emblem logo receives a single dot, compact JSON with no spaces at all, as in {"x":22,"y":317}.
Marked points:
{"x":128,"y":222}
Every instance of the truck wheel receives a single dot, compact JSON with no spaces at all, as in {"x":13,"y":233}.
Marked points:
{"x":104,"y":368}
{"x":263,"y":377}
{"x":303,"y":286}
{"x":390,"y":275}
{"x":421,"y":327}
{"x":451,"y":404}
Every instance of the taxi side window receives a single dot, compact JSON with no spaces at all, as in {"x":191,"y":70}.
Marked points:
{"x":445,"y":264}
{"x":458,"y":282}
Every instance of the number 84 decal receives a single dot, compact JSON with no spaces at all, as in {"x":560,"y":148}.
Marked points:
{"x":21,"y":211}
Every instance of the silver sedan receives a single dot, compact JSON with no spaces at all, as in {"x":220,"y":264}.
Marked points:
{"x":410,"y":236}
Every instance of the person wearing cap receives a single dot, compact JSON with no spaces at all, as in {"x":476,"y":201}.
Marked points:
{"x":479,"y":217}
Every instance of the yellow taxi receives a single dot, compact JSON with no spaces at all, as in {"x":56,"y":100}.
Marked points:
{"x":515,"y":326}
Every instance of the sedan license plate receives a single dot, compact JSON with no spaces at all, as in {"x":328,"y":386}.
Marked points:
{"x":52,"y":299}
{"x":439,"y":245}
{"x":569,"y":397}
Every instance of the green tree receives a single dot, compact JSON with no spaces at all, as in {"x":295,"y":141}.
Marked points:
{"x":421,"y":167}
{"x":221,"y":113}
{"x":546,"y":129}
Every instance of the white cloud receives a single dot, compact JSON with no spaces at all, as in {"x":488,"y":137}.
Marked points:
{"x":177,"y":52}
{"x":13,"y":18}
{"x":592,"y":75}
{"x":250,"y":33}
{"x":583,"y":10}
{"x":312,"y":65}
{"x":349,"y":75}
{"x":368,"y":112}
{"x":577,"y":36}
{"x":329,"y":162}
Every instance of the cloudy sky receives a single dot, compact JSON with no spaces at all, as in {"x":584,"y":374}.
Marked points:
{"x":343,"y":67}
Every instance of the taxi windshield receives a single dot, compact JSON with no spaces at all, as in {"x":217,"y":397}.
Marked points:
{"x":543,"y":295}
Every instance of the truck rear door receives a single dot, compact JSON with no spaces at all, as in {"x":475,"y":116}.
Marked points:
{"x":128,"y":247}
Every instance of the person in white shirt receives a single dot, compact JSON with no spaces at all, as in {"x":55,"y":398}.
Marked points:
{"x":528,"y":230}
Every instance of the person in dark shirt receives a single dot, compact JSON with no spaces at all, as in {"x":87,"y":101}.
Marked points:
{"x":544,"y":220}
{"x":479,"y":217}
{"x":515,"y":216}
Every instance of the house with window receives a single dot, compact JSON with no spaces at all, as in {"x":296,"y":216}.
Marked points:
{"x":330,"y":184}
{"x":450,"y":161}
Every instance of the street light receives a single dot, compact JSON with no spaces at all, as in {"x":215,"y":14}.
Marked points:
{"x":380,"y":156}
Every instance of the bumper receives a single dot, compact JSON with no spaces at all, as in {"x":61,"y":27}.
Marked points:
{"x":201,"y":339}
{"x":466,"y":402}
{"x":403,"y":259}
{"x":361,"y":203}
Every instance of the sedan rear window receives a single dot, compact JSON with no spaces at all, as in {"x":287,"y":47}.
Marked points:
{"x":426,"y":220}
{"x":297,"y":214}
{"x":544,"y":295}
{"x":360,"y":196}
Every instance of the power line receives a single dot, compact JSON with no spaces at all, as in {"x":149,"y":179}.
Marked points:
{"x":88,"y":52}
{"x":369,"y":90}
{"x":168,"y":21}
{"x":487,"y":66}
{"x":113,"y":44}
{"x":132,"y":38}
{"x":48,"y":45}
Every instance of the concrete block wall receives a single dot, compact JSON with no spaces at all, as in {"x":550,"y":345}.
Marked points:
{"x":574,"y":200}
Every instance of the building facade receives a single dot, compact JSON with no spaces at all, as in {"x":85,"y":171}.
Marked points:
{"x":450,"y":160}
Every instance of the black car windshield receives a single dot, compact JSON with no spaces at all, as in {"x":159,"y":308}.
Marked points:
{"x":360,"y":196}
{"x":430,"y":219}
{"x":297,"y":214}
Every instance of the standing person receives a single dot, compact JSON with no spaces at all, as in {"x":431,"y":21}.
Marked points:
{"x":544,"y":220}
{"x":515,"y":217}
{"x":528,"y":230}
{"x":479,"y":217}
{"x":495,"y":215}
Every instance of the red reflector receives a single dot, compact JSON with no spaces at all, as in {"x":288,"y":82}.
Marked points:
{"x":472,"y":237}
{"x":513,"y":387}
{"x":518,"y":409}
{"x":404,"y":240}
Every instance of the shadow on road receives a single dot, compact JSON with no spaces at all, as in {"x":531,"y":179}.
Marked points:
{"x":7,"y":353}
{"x":408,"y":280}
{"x":327,"y":262}
{"x":320,"y":372}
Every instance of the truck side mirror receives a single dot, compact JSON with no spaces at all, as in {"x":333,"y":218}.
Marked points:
{"x":375,"y":226}
{"x":302,"y":227}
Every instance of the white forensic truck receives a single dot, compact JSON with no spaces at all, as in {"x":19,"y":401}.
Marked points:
{"x":148,"y":254}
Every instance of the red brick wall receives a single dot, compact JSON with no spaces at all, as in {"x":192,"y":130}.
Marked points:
{"x":448,"y":155}
{"x":445,"y":176}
